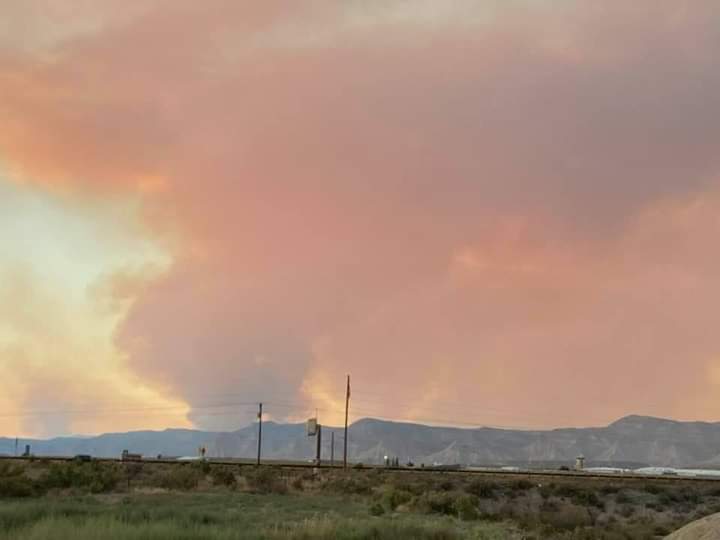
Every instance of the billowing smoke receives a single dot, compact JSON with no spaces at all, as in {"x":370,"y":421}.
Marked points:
{"x":487,"y":214}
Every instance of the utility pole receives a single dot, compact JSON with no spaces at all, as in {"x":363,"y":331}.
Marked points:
{"x":318,"y":450}
{"x":259,"y":432}
{"x":332,"y":448}
{"x":347,"y":405}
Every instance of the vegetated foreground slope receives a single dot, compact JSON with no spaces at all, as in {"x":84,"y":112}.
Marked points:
{"x":57,"y":500}
{"x":227,"y":517}
{"x":631,"y":440}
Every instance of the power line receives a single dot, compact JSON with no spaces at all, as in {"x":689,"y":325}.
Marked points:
{"x":368,"y":401}
{"x":120,"y":411}
{"x":368,"y":407}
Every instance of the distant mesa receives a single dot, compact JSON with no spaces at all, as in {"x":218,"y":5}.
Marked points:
{"x":631,"y":442}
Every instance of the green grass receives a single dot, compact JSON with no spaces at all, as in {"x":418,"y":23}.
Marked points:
{"x":225,"y":516}
{"x":198,"y":500}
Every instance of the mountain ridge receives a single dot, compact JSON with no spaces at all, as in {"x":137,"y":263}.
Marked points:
{"x":642,"y":440}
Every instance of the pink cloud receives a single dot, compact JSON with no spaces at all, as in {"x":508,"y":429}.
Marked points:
{"x":501,"y":207}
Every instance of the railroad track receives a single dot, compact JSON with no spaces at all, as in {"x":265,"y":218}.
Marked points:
{"x":532,"y":475}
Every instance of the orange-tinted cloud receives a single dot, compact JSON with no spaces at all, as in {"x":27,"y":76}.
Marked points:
{"x":504,"y":213}
{"x":60,"y":303}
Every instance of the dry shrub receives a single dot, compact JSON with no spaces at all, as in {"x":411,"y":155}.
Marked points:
{"x":266,"y":480}
{"x":626,"y":510}
{"x":223,"y":476}
{"x":16,"y":486}
{"x":482,"y":489}
{"x":435,"y":502}
{"x":377,"y":509}
{"x":466,"y":507}
{"x":350,"y":485}
{"x":180,"y":478}
{"x":297,"y":484}
{"x":392,"y":498}
{"x":95,"y":477}
{"x":567,"y":518}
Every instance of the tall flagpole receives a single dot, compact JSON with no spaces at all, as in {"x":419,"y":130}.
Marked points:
{"x":347,"y":405}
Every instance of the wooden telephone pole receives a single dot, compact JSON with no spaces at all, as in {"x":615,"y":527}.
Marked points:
{"x":259,"y":432}
{"x":332,"y":448}
{"x":318,"y":449}
{"x":347,"y":406}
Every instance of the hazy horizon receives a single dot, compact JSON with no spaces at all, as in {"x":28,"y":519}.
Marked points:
{"x":337,"y":427}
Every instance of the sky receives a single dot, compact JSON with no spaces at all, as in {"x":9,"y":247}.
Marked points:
{"x":499,"y":213}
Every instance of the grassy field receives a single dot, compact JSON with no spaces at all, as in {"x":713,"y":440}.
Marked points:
{"x":225,"y":516}
{"x":45,"y":500}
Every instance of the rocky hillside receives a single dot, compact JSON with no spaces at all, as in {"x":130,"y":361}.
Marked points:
{"x":633,"y":440}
